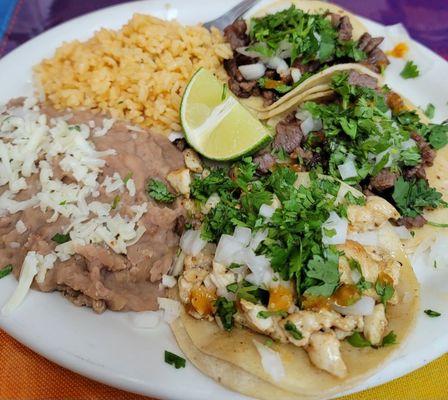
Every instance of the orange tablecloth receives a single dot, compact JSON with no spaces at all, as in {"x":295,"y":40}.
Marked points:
{"x":26,"y":375}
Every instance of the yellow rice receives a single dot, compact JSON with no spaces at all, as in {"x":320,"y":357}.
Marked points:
{"x":137,"y":73}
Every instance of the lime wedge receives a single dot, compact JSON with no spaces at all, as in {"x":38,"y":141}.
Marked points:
{"x":216,"y":125}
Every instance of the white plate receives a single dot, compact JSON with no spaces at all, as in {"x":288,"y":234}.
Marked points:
{"x":106,"y":347}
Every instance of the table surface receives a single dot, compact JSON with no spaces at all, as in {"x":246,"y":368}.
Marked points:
{"x":26,"y":375}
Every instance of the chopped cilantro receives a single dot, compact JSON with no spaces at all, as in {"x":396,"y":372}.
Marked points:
{"x":363,"y":285}
{"x":432,"y":313}
{"x":267,"y":314}
{"x":389,"y":339}
{"x":159,"y":192}
{"x":63,"y":203}
{"x":115,"y":202}
{"x":174,"y":360}
{"x":438,"y":135}
{"x":413,"y":196}
{"x":6,"y":270}
{"x":410,"y":70}
{"x":385,"y":291}
{"x":357,"y":339}
{"x":430,"y":111}
{"x":247,"y":291}
{"x":225,"y":309}
{"x":60,"y":238}
{"x":269,"y":342}
{"x":74,"y":128}
{"x":224,"y":92}
{"x":325,"y":272}
{"x":292,"y":329}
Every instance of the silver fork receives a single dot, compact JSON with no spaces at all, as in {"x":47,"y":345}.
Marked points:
{"x":231,"y":15}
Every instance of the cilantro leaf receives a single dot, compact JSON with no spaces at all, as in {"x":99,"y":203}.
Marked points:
{"x":432,"y":313}
{"x":293,"y":331}
{"x":389,"y":339}
{"x":60,"y":238}
{"x":6,"y":270}
{"x":430,"y":111}
{"x":357,"y":339}
{"x":115,"y":202}
{"x":384,"y":290}
{"x":159,"y":192}
{"x":174,"y":360}
{"x":225,"y":310}
{"x":414,"y":196}
{"x":410,"y":70}
{"x":438,"y":136}
{"x":325,"y":272}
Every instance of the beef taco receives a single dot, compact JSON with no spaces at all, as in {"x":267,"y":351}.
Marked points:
{"x":372,"y":138}
{"x":285,"y":48}
{"x":293,"y":278}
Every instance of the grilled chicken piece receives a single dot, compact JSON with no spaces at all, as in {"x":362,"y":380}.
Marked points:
{"x":324,"y":351}
{"x":180,"y":180}
{"x":221,"y":278}
{"x":369,"y":267}
{"x":268,"y":326}
{"x":309,"y":322}
{"x":373,"y":215}
{"x":191,"y":278}
{"x":375,"y":325}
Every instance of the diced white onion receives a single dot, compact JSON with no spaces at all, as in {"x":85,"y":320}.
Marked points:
{"x":284,"y":49}
{"x":178,"y":264}
{"x":343,"y":190}
{"x":266,"y":211}
{"x":348,"y":169}
{"x":171,"y":308}
{"x":296,"y":74}
{"x":271,"y":361}
{"x":402,"y":232}
{"x":368,"y":238}
{"x":243,"y":235}
{"x":227,"y":247}
{"x":302,"y":114}
{"x":168,"y":281}
{"x":146,"y":319}
{"x":175,"y":136}
{"x":258,"y":239}
{"x":278,"y":64}
{"x":339,"y":225}
{"x":20,"y":226}
{"x":364,"y":306}
{"x":211,"y":203}
{"x":252,"y":72}
{"x":310,"y":125}
{"x":432,"y":251}
{"x":408,"y":144}
{"x":191,"y":242}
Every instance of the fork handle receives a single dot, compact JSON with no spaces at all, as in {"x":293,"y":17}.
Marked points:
{"x":233,"y":14}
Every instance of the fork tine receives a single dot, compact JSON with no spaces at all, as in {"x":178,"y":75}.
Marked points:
{"x":231,"y":15}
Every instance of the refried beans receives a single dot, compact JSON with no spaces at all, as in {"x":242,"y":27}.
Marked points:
{"x":96,"y":276}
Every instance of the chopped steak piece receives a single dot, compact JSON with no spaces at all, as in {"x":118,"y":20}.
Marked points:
{"x":311,"y":66}
{"x":181,"y":144}
{"x":362,"y":80}
{"x":269,"y":97}
{"x":415,"y":172}
{"x":378,"y":59}
{"x":265,"y":162}
{"x":384,"y":180}
{"x":236,"y":34}
{"x":270,"y":74}
{"x":248,"y":86}
{"x":335,"y":19}
{"x":232,"y":70}
{"x":373,"y":44}
{"x":427,"y":152}
{"x":345,"y":28}
{"x":289,"y":135}
{"x":364,"y":40}
{"x":179,"y":225}
{"x":409,"y":222}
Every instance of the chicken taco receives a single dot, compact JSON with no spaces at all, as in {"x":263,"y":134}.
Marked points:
{"x":286,"y":48}
{"x":293,"y":277}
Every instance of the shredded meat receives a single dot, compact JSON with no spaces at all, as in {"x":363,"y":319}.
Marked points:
{"x":236,"y":34}
{"x":384,"y":180}
{"x":362,"y":80}
{"x":311,"y":66}
{"x":289,"y":134}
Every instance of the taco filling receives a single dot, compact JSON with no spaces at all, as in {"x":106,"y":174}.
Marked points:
{"x":284,"y":255}
{"x":367,"y":136}
{"x":278,"y":51}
